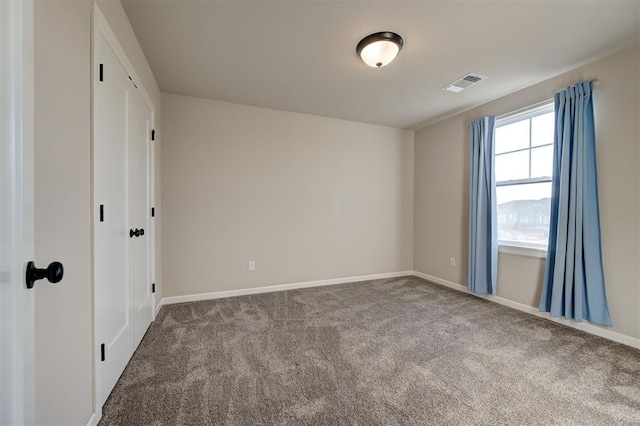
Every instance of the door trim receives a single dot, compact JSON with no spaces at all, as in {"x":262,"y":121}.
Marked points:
{"x":17,"y":311}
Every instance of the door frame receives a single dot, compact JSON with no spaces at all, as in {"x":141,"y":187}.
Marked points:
{"x":100,"y":26}
{"x":17,"y":311}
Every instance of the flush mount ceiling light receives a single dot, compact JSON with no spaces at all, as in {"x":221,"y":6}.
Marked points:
{"x":379,"y":49}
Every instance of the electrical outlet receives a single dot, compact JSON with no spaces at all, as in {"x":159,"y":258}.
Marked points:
{"x":452,"y":262}
{"x":252,"y":265}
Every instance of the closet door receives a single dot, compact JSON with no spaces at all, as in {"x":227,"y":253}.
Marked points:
{"x":140,"y":212}
{"x":121,"y":194}
{"x":113,"y":93}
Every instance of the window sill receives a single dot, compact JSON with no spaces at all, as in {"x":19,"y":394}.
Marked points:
{"x":522,"y":251}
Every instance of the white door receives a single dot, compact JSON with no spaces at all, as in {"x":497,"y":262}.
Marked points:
{"x":16,"y":213}
{"x":121,"y":188}
{"x":140,"y":211}
{"x":112,"y":270}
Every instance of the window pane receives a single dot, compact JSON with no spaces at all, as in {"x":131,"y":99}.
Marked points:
{"x":542,"y":161}
{"x":512,"y":136}
{"x":542,"y":129}
{"x":512,"y":166}
{"x":524,"y":213}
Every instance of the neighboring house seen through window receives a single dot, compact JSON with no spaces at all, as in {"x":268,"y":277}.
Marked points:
{"x":523,"y":169}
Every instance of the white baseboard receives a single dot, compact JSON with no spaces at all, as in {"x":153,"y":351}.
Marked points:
{"x":583,"y":326}
{"x":281,"y":287}
{"x":445,"y":283}
{"x":94,"y":420}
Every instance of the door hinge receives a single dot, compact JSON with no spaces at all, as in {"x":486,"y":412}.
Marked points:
{"x":102,"y":353}
{"x":153,"y":287}
{"x":153,"y":212}
{"x":101,"y":212}
{"x":153,"y":135}
{"x":101,"y":72}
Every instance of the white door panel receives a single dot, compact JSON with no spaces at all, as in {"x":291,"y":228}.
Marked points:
{"x":114,"y":296}
{"x":139,"y":135}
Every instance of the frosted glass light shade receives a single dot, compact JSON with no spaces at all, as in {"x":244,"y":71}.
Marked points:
{"x":379,"y":49}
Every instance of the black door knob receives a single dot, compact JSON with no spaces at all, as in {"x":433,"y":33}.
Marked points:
{"x":136,"y":233}
{"x":53,"y":273}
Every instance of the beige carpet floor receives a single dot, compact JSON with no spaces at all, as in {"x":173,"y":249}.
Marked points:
{"x":385,"y":352}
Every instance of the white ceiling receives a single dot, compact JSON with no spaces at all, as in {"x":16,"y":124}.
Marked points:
{"x":300,"y":55}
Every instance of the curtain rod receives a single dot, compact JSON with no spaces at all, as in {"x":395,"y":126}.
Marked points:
{"x":537,"y":104}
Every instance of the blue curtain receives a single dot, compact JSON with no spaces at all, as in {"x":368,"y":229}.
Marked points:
{"x":574,"y":276}
{"x":483,"y":241}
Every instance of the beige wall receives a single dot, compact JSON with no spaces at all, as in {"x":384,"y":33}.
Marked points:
{"x":441,"y":189}
{"x":63,"y":323}
{"x":306,"y":197}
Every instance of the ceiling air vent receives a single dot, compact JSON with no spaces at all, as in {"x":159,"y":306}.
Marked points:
{"x":462,"y":83}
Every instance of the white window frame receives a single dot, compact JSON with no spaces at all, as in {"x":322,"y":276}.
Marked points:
{"x":510,"y":247}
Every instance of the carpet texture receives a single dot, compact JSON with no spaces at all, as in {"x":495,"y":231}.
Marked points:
{"x":384,"y":352}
